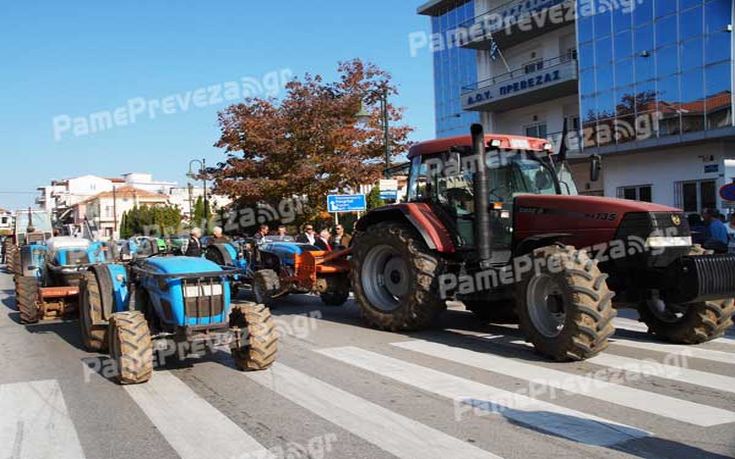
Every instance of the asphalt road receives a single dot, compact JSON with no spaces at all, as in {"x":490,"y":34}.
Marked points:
{"x":340,"y":390}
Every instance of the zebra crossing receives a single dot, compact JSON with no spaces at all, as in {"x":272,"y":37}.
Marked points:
{"x":35,"y":421}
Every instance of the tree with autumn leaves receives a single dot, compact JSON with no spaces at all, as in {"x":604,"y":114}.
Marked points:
{"x":310,"y":143}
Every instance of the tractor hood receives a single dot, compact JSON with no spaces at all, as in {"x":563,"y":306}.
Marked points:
{"x":182,"y":265}
{"x":589,"y":220}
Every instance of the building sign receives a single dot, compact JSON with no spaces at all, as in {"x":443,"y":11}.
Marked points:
{"x":389,"y":190}
{"x":522,"y":84}
{"x":711,"y":168}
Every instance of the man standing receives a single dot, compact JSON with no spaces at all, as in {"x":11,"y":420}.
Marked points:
{"x":341,"y":240}
{"x":282,"y":231}
{"x":718,"y":238}
{"x":263,"y":231}
{"x":218,"y":236}
{"x":308,"y":236}
{"x":322,"y":240}
{"x":194,"y":249}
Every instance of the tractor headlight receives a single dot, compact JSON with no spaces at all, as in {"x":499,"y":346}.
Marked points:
{"x":661,"y":242}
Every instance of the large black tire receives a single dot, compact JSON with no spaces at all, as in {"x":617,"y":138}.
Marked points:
{"x":92,"y":324}
{"x":409,"y":300}
{"x":131,"y":348}
{"x":12,"y":258}
{"x":266,"y":285}
{"x":339,"y":291}
{"x":26,"y":298}
{"x":565,"y":308}
{"x":698,"y":323}
{"x":498,"y":312}
{"x":216,"y":253}
{"x":259,"y":350}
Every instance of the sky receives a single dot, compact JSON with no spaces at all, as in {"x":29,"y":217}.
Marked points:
{"x":133,"y":68}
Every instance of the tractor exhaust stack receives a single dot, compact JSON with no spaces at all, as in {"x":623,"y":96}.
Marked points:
{"x":483,"y":229}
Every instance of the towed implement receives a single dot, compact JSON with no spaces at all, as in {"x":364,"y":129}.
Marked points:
{"x":495,"y":222}
{"x":162,"y":304}
{"x":278,"y":267}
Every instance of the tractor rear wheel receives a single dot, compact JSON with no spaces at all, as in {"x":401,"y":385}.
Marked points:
{"x":92,"y":324}
{"x":565,"y":307}
{"x":12,"y":258}
{"x":266,"y":285}
{"x":259,"y":352}
{"x":339,"y":291}
{"x":395,"y":278}
{"x":131,"y":347}
{"x":693,"y":323}
{"x":26,"y":298}
{"x":499,"y":312}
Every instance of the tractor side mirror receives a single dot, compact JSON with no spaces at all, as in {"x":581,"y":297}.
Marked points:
{"x":595,"y":167}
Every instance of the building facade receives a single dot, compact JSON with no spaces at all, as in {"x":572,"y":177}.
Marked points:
{"x":646,"y":84}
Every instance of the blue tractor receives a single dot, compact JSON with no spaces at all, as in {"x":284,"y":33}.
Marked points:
{"x":152,"y":304}
{"x":49,"y":272}
{"x":278,"y":266}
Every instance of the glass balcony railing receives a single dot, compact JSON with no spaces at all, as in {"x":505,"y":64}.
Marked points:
{"x":515,"y":21}
{"x":524,"y":86}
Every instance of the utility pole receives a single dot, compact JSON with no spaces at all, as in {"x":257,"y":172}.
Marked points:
{"x":386,"y":132}
{"x":114,"y":210}
{"x":191,"y":203}
{"x":204,"y":181}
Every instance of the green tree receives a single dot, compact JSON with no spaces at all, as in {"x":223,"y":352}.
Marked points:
{"x":373,"y":198}
{"x":151,"y":220}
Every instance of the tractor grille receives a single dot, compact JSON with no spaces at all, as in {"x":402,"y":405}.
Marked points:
{"x":701,"y":278}
{"x":715,"y":275}
{"x":203,"y":298}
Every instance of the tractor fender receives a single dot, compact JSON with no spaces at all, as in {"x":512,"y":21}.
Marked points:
{"x":113,"y":283}
{"x":420,"y":216}
{"x":537,"y":241}
{"x":225,"y":250}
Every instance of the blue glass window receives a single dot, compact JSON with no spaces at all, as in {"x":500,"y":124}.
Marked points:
{"x":691,"y":23}
{"x":623,"y":45}
{"x":603,"y":51}
{"x":586,"y":55}
{"x":586,"y":28}
{"x":667,"y":60}
{"x":624,"y":73}
{"x":717,"y":47}
{"x":684,"y":4}
{"x":717,"y":16}
{"x":665,"y":7}
{"x":643,"y":13}
{"x":666,"y":31}
{"x":692,"y":54}
{"x":643,"y":39}
{"x":603,"y":24}
{"x":622,"y":19}
{"x":668,"y":89}
{"x":718,"y":106}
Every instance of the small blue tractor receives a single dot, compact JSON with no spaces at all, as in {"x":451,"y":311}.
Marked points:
{"x":49,"y":272}
{"x":278,"y":266}
{"x":31,"y":226}
{"x":153,"y":303}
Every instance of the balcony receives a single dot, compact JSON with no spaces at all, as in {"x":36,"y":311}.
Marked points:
{"x":515,"y":22}
{"x":535,"y":83}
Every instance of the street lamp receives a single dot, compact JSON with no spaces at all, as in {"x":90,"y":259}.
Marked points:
{"x":363,"y":116}
{"x":203,"y":175}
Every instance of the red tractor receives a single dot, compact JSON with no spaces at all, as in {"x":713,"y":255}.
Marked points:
{"x":494,"y":221}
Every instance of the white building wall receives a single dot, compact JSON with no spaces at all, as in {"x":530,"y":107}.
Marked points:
{"x":664,"y":168}
{"x":551,"y":113}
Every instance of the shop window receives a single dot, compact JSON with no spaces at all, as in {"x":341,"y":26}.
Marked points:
{"x":636,"y":193}
{"x":696,"y":195}
{"x":536,"y":130}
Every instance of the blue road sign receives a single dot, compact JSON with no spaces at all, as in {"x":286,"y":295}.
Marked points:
{"x":727,"y":192}
{"x":389,"y":195}
{"x":346,"y":203}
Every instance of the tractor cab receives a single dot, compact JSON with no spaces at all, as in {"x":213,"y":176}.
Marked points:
{"x":443,"y":174}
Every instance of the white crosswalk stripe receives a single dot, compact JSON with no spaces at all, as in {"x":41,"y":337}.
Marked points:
{"x":193,"y":427}
{"x":693,"y":351}
{"x":587,"y":385}
{"x":632,"y":325}
{"x":557,"y":420}
{"x":396,"y":434}
{"x":35,"y":423}
{"x":671,"y":372}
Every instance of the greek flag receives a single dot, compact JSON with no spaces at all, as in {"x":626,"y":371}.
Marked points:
{"x":494,"y":50}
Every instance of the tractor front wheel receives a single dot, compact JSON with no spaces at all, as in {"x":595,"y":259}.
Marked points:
{"x":339,"y":291}
{"x":266,"y":285}
{"x":92,"y":325}
{"x":131,"y":347}
{"x":565,"y":307}
{"x":26,"y":298}
{"x":395,"y":278}
{"x":259,"y":350}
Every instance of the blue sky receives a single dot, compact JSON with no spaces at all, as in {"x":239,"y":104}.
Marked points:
{"x":81,"y":57}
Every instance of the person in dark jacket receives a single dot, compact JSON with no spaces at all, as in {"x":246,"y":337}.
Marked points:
{"x":194,"y":248}
{"x":322,"y":240}
{"x":308,"y":236}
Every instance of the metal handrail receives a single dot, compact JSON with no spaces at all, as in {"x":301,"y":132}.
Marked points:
{"x":521,"y":71}
{"x":507,"y":6}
